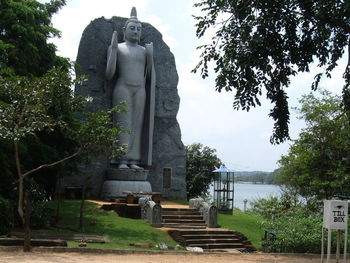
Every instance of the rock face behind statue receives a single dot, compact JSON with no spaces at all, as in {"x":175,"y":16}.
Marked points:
{"x":168,"y":169}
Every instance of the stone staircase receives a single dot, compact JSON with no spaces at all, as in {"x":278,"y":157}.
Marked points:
{"x":188,"y":228}
{"x":184,"y":218}
{"x":212,"y":240}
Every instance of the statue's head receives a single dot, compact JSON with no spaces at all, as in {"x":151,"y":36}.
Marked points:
{"x":132,"y":27}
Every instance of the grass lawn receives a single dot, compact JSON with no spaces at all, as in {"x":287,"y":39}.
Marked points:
{"x":246,"y":223}
{"x":120,"y":230}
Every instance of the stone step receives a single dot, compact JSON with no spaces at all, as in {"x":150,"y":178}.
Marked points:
{"x":180,"y":212}
{"x":209,"y":236}
{"x":207,"y":232}
{"x":184,"y":221}
{"x":219,"y":245}
{"x":184,"y":226}
{"x":198,"y":217}
{"x":212,"y":241}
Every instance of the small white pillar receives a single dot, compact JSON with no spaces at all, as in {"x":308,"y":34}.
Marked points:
{"x":245,"y":201}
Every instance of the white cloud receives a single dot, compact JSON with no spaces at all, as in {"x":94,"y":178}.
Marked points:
{"x":164,"y":29}
{"x":206,"y":116}
{"x":72,"y":19}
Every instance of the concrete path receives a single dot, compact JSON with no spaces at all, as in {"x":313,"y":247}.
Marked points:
{"x":45,"y":257}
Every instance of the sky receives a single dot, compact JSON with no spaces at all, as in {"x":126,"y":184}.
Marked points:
{"x":241,"y":139}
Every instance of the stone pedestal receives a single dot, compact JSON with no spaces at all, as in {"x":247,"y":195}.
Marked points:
{"x":120,"y":180}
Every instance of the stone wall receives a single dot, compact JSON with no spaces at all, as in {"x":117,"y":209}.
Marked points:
{"x":169,"y":159}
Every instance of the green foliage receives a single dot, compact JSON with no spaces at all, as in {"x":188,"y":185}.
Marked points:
{"x":200,"y":162}
{"x":25,"y":27}
{"x":27,"y":101}
{"x":40,"y":213}
{"x":296,"y":232}
{"x":293,"y":226}
{"x":246,"y":223}
{"x":6,"y":218}
{"x":260,"y":44}
{"x":8,"y":172}
{"x":318,"y":164}
{"x":30,"y":107}
{"x":273,"y":207}
{"x":40,"y":216}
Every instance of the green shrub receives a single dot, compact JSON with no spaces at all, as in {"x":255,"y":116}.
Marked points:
{"x":6,"y":218}
{"x":273,"y":207}
{"x":293,"y":226}
{"x":296,"y":232}
{"x":40,"y":215}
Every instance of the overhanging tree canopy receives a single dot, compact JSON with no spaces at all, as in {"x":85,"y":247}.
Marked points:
{"x":261,"y":44}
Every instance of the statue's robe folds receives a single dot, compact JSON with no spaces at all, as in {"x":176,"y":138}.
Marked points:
{"x":148,"y":120}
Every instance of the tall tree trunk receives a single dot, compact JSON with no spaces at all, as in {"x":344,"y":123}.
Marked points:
{"x":23,"y":198}
{"x":20,"y":183}
{"x":27,"y":231}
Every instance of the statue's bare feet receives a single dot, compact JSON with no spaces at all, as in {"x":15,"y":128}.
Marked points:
{"x":123,"y":166}
{"x":135,"y":166}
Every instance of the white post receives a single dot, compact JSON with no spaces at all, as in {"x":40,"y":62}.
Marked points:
{"x":329,"y":245}
{"x":322,"y":245}
{"x":245,"y":204}
{"x":345,"y":244}
{"x":337,"y":253}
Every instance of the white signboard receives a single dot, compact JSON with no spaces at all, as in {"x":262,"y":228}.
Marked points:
{"x":335,"y":214}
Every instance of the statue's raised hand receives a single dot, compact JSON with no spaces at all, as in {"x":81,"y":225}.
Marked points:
{"x":114,"y":41}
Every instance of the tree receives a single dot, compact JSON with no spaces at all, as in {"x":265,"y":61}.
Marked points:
{"x":200,"y":162}
{"x":318,"y":163}
{"x":261,"y":44}
{"x":25,"y":112}
{"x":25,"y":27}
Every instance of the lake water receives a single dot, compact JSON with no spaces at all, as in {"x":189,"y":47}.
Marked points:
{"x":251,"y":192}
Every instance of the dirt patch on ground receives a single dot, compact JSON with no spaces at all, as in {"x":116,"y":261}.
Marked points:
{"x":39,"y":257}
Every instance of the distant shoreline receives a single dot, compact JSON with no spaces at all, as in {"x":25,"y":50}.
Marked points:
{"x":243,"y":182}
